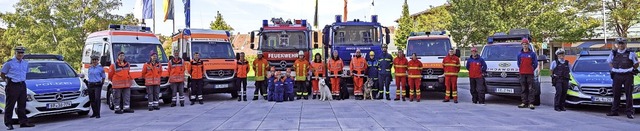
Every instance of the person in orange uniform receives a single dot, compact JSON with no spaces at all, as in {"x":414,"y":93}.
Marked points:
{"x":176,"y":78}
{"x":400,"y":65}
{"x":301,"y":66}
{"x":451,"y":68}
{"x":260,"y":66}
{"x":121,"y":84}
{"x":318,"y":71}
{"x":358,"y":65}
{"x":151,"y":72}
{"x":197,"y":73}
{"x":242,"y":68}
{"x":335,"y":69}
{"x":415,"y":77}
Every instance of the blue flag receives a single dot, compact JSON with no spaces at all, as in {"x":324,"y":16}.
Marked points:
{"x":187,"y":16}
{"x":147,"y":9}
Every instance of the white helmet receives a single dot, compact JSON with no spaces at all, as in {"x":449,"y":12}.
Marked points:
{"x":300,"y":53}
{"x":560,"y":51}
{"x":259,"y":52}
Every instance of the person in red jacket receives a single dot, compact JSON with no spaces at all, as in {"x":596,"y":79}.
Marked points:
{"x":335,"y":66}
{"x":527,"y":63}
{"x":121,"y":79}
{"x":318,"y":68}
{"x":176,"y":78}
{"x":151,"y":72}
{"x":242,"y":68}
{"x":196,"y":71}
{"x":477,"y":67}
{"x":400,"y":65}
{"x":358,"y":65}
{"x":415,"y":77}
{"x":451,"y":65}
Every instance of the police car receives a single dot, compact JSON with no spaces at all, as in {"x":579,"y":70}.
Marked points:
{"x":53,"y":87}
{"x":591,"y":82}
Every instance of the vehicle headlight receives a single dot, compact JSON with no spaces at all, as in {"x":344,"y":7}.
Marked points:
{"x":574,"y":87}
{"x":84,"y":93}
{"x":29,"y":97}
{"x":636,"y":89}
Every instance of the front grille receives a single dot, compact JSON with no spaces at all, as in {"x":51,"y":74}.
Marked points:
{"x":140,"y":82}
{"x":499,"y":74}
{"x":51,"y":97}
{"x":432,"y":71}
{"x":278,"y":64}
{"x":45,"y":108}
{"x":220,"y":73}
{"x":597,"y":91}
{"x":502,"y":84}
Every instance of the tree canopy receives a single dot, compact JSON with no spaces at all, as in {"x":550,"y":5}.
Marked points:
{"x":405,"y":27}
{"x":220,"y":24}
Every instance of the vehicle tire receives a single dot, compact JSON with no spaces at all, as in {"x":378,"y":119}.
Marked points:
{"x":110,"y":98}
{"x":83,"y":113}
{"x":637,"y":110}
{"x":536,"y":102}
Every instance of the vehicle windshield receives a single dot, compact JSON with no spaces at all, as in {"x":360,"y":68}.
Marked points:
{"x":139,"y":53}
{"x":285,"y":40}
{"x":357,"y":35}
{"x":50,"y":70}
{"x":213,"y":50}
{"x":435,"y":47}
{"x":501,"y":52}
{"x":591,"y":65}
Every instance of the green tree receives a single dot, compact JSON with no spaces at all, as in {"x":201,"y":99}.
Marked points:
{"x":63,"y":24}
{"x":5,"y":50}
{"x":623,"y":15}
{"x":437,"y":18}
{"x":220,"y":24}
{"x":404,"y":27}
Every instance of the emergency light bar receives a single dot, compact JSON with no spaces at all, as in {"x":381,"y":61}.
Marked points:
{"x":279,"y":22}
{"x":428,"y":33}
{"x":44,"y":57}
{"x":130,"y":28}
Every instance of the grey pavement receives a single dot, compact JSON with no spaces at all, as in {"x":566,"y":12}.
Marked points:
{"x":222,"y":113}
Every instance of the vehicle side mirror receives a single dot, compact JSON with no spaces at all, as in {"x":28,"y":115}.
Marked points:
{"x":252,"y":37}
{"x":185,"y":56}
{"x":387,"y":39}
{"x":104,"y":61}
{"x":325,"y":35}
{"x":237,"y":56}
{"x":315,"y":40}
{"x":543,"y":58}
{"x":458,"y":53}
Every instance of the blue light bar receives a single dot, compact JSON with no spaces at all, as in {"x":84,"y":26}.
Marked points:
{"x":304,"y":23}
{"x":265,"y":22}
{"x":228,"y":34}
{"x":130,"y":28}
{"x":374,"y":18}
{"x":338,"y":18}
{"x":490,"y":40}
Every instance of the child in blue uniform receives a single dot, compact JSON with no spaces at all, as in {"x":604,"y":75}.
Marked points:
{"x":279,"y":88}
{"x":270,"y":84}
{"x":289,"y":83}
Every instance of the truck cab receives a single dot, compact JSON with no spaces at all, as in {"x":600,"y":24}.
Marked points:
{"x":500,"y":54}
{"x":136,"y":42}
{"x":217,"y":54}
{"x":431,"y":48}
{"x":348,"y":36}
{"x":281,"y":41}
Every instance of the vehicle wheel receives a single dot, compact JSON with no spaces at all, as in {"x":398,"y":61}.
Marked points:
{"x":110,"y":98}
{"x":637,"y":110}
{"x":83,"y":113}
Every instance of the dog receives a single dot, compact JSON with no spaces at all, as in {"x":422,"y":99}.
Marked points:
{"x":325,"y":93}
{"x":368,"y":88}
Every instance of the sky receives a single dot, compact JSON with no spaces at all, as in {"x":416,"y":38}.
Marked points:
{"x":247,"y":15}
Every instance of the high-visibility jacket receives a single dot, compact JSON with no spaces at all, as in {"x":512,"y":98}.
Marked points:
{"x":358,"y":66}
{"x":119,"y":75}
{"x":451,"y":65}
{"x":372,"y":70}
{"x":335,"y":67}
{"x":242,"y":68}
{"x":318,"y":69}
{"x":260,"y":67}
{"x":197,"y":69}
{"x":385,"y":62}
{"x":176,"y":70}
{"x":301,"y":67}
{"x":400,"y":65}
{"x":151,"y":73}
{"x":415,"y":68}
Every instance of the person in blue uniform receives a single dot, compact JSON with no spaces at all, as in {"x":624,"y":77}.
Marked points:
{"x":14,"y":73}
{"x":96,"y":77}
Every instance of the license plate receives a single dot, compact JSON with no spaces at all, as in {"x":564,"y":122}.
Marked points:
{"x":430,"y":77}
{"x":222,"y":86}
{"x":59,"y":105}
{"x":601,"y":99}
{"x":504,"y":90}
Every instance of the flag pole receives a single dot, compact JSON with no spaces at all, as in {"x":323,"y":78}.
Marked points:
{"x":153,"y":8}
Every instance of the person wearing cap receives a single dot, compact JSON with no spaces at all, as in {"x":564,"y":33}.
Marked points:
{"x":451,"y":64}
{"x":560,"y":79}
{"x":151,"y":72}
{"x":385,"y":62}
{"x":95,"y":81}
{"x":358,"y":66}
{"x":335,"y":66}
{"x":624,"y":64}
{"x":414,"y":70}
{"x":121,"y":81}
{"x":289,"y":83}
{"x":14,"y":73}
{"x":372,"y":72}
{"x":196,"y":71}
{"x":301,"y":66}
{"x":279,"y":87}
{"x":176,"y":78}
{"x":318,"y":69}
{"x":527,"y":64}
{"x":477,"y":67}
{"x":260,"y":67}
{"x":242,"y":68}
{"x":400,"y":65}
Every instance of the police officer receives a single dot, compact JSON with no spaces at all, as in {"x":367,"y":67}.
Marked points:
{"x":560,"y":69}
{"x":96,"y":79}
{"x":384,"y":71}
{"x":624,"y":64}
{"x":527,"y":64}
{"x":14,"y":72}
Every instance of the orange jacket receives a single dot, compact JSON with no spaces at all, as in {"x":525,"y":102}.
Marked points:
{"x":451,"y":65}
{"x":176,"y":70}
{"x":400,"y":65}
{"x":151,"y":73}
{"x":415,"y":69}
{"x":119,"y":75}
{"x":358,"y":66}
{"x":318,"y":69}
{"x":335,"y":67}
{"x":242,"y":68}
{"x":197,"y":69}
{"x":301,"y":67}
{"x":260,"y":66}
